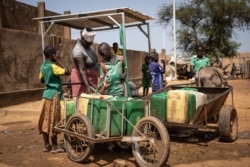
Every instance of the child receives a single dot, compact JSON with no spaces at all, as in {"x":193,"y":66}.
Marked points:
{"x":156,"y":71}
{"x":50,"y":72}
{"x":145,"y":75}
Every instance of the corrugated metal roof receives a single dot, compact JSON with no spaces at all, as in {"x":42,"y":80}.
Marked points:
{"x":99,"y":20}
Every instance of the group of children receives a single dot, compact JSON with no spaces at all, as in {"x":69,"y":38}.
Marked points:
{"x":152,"y":73}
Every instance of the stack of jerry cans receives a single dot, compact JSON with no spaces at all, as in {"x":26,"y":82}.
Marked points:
{"x":95,"y":108}
{"x":158,"y":106}
{"x":186,"y":106}
{"x":200,"y":98}
{"x":191,"y":101}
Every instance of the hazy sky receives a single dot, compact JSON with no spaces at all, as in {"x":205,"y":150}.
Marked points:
{"x":135,"y":40}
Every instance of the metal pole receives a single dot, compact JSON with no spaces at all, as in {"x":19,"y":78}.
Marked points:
{"x":174,"y":29}
{"x":164,"y":36}
{"x":42,"y":35}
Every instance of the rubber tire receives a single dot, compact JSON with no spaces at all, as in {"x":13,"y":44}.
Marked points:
{"x":228,"y":124}
{"x":79,"y":150}
{"x":162,"y":151}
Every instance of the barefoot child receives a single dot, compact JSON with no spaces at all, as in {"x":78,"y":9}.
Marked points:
{"x":146,"y":75}
{"x":156,"y":72}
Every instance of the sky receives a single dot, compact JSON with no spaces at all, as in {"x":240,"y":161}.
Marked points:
{"x":135,"y":40}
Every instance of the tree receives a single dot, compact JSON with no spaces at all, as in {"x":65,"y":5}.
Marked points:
{"x":208,"y":22}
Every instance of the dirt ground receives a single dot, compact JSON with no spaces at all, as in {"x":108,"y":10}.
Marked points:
{"x":21,"y":145}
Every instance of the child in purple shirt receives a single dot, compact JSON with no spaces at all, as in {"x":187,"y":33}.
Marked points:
{"x":156,"y":71}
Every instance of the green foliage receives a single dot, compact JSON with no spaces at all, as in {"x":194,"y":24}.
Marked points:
{"x":208,"y":22}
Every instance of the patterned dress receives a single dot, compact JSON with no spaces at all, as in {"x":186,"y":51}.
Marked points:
{"x":91,"y":65}
{"x":50,"y":114}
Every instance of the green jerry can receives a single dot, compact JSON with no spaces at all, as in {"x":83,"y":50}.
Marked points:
{"x":116,"y":120}
{"x":135,"y":111}
{"x":158,"y":104}
{"x":90,"y":105}
{"x":93,"y":113}
{"x":191,"y":106}
{"x":70,"y":108}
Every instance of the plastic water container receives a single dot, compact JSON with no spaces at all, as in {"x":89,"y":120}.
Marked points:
{"x":191,"y":101}
{"x":93,"y":113}
{"x":189,"y":89}
{"x":83,"y":105}
{"x":90,"y":105}
{"x":177,"y":105}
{"x":134,"y":112}
{"x":191,"y":106}
{"x":115,"y":122}
{"x":158,"y":103}
{"x":200,"y":97}
{"x":70,"y":108}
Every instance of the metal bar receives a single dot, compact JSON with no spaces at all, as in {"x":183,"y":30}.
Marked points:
{"x":122,"y":122}
{"x":65,"y":110}
{"x":92,"y":110}
{"x":86,"y":138}
{"x":131,"y":139}
{"x":77,"y":17}
{"x":108,"y":120}
{"x":111,"y":18}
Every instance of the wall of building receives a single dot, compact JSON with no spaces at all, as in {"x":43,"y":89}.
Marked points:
{"x":20,"y":61}
{"x":21,"y":57}
{"x":19,"y":16}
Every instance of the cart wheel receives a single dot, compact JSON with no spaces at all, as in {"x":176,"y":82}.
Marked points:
{"x":154,"y":151}
{"x":228,"y":124}
{"x":79,"y":150}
